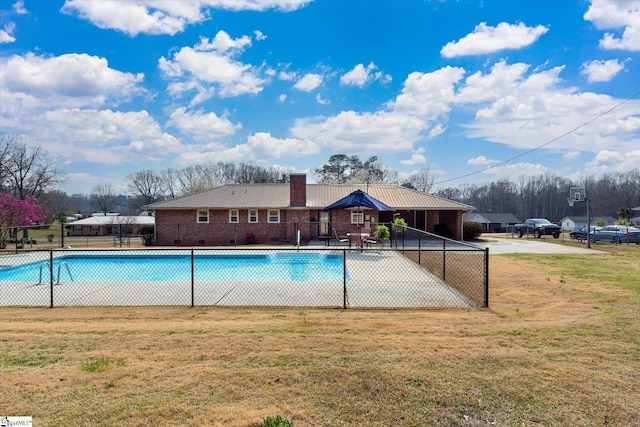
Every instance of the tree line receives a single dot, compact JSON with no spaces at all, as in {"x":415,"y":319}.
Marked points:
{"x":27,"y":170}
{"x":545,"y":196}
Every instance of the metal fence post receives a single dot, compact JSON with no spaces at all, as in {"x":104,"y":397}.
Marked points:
{"x":344,"y":278}
{"x":444,"y":260}
{"x":192,"y":280}
{"x":486,"y":278}
{"x":50,"y":278}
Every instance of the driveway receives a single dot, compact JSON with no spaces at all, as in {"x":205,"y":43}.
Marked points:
{"x":498,"y":245}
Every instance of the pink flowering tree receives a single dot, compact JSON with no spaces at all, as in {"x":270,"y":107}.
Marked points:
{"x":15,"y":212}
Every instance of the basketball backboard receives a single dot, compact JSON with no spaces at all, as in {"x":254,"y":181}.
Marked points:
{"x":577,"y":194}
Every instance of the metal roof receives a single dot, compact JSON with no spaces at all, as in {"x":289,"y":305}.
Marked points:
{"x":489,"y":218}
{"x":276,"y":196}
{"x":114,"y":220}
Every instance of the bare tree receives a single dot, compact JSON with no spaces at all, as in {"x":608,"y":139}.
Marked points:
{"x":422,"y":180}
{"x":170,"y":182}
{"x":4,"y":165}
{"x":27,"y":169}
{"x":103,"y":198}
{"x":54,"y":203}
{"x":194,"y":179}
{"x":146,"y":185}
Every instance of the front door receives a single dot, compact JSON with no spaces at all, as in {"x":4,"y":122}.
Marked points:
{"x":421,"y":223}
{"x":324,"y":224}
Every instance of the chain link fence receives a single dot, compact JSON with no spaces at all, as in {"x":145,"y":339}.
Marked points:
{"x":376,"y":276}
{"x":459,"y":264}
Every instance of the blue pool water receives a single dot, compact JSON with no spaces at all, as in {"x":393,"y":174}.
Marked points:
{"x":296,"y":267}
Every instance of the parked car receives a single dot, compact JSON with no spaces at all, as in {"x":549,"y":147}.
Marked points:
{"x":580,"y":234}
{"x":617,"y":234}
{"x":538,"y":227}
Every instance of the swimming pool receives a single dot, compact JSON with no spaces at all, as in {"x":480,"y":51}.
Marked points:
{"x":258,"y":267}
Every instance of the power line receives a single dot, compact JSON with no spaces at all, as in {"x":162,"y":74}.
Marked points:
{"x":588,"y":122}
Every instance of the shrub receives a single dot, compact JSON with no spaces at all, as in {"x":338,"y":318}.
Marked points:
{"x":471,"y":230}
{"x":277,"y":421}
{"x":623,"y":221}
{"x":146,"y":234}
{"x":382,"y":231}
{"x":399,"y":224}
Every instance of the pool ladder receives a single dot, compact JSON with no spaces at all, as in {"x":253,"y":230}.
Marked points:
{"x":46,"y":264}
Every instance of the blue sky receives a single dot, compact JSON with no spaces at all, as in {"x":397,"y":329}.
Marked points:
{"x":474,"y":90}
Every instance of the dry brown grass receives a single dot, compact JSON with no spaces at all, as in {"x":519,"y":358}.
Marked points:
{"x":555,"y":349}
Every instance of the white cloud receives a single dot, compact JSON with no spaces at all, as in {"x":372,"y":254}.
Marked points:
{"x":133,"y":18}
{"x":258,"y":5}
{"x":509,"y":171}
{"x":322,"y":101}
{"x":611,"y":15}
{"x":416,"y":159}
{"x":571,"y":155}
{"x":436,"y":130}
{"x":202,"y":126}
{"x":420,"y":107}
{"x":287,"y":75}
{"x":362,"y":132}
{"x":77,"y":183}
{"x":601,"y":71}
{"x":222,"y":42}
{"x":259,"y":35}
{"x":259,"y":146}
{"x":18,"y":7}
{"x":428,"y":95}
{"x":499,"y":82}
{"x":607,"y":161}
{"x":6,"y":35}
{"x":538,"y":109}
{"x":487,"y":39}
{"x":309,"y":82}
{"x":282,"y":97}
{"x":211,"y":66}
{"x":70,"y":79}
{"x":481,"y":161}
{"x":514,"y":106}
{"x":265,"y":145}
{"x":103,"y":136}
{"x":163,"y":17}
{"x":360,"y":75}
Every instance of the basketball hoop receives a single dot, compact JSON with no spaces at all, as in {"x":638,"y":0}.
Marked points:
{"x":571,"y":201}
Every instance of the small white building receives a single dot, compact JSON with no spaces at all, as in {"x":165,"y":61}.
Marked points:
{"x":570,"y":223}
{"x":108,"y":225}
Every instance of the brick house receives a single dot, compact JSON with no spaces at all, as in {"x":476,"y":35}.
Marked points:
{"x":275,"y":212}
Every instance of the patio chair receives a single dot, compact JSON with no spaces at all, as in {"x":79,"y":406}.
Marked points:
{"x":340,"y":239}
{"x":373,"y":241}
{"x":355,"y":239}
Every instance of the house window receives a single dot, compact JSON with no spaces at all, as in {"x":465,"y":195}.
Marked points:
{"x":274,"y":215}
{"x":203,"y":215}
{"x":253,"y":215}
{"x":233,"y":215}
{"x":357,"y":217}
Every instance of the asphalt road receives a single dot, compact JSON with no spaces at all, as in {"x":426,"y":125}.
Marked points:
{"x":531,"y":246}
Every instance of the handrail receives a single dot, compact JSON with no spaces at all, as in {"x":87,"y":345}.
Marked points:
{"x":68,"y":272}
{"x":40,"y":277}
{"x":42,"y":264}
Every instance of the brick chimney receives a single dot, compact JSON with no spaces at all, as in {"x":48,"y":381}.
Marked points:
{"x":297,"y":189}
